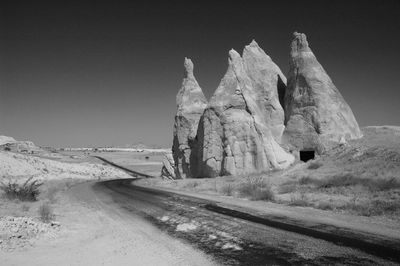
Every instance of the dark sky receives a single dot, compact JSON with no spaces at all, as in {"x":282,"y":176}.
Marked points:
{"x":82,"y":74}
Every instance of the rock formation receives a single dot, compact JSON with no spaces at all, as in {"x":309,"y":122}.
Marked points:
{"x":316,"y":115}
{"x":191,"y":104}
{"x":240,"y":129}
{"x":168,"y":169}
{"x":268,"y":85}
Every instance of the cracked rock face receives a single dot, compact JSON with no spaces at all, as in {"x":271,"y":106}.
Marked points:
{"x":316,"y":114}
{"x":168,"y":169}
{"x":191,"y":103}
{"x":241,"y":127}
{"x":268,"y":85}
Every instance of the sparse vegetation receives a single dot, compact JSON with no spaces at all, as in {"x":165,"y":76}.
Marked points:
{"x":256,"y":188}
{"x":314,"y":165}
{"x":348,"y":179}
{"x":191,"y":185}
{"x":28,"y":191}
{"x":25,"y":208}
{"x":46,"y":213}
{"x":287,"y":187}
{"x":227,"y":189}
{"x":372,"y":207}
{"x":299,"y":200}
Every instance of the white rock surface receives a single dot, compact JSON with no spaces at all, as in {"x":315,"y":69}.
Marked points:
{"x":191,"y":103}
{"x":20,"y":165}
{"x":239,"y":133}
{"x":168,"y":169}
{"x":6,"y":139}
{"x":316,"y":114}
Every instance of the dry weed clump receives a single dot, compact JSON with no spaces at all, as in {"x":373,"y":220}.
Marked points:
{"x":227,"y":189}
{"x":28,"y":191}
{"x":256,"y":188}
{"x":314,"y":165}
{"x":348,"y":180}
{"x":46,"y":214}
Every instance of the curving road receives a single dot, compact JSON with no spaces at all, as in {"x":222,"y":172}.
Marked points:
{"x":232,"y":238}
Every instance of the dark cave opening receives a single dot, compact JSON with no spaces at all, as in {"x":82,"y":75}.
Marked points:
{"x":307,"y":155}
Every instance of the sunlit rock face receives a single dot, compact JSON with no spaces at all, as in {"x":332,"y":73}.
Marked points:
{"x":168,"y":169}
{"x":268,"y":85}
{"x":242,"y":125}
{"x":191,"y":103}
{"x":316,"y":115}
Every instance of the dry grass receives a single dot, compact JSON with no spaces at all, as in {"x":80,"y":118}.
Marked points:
{"x":256,"y":188}
{"x":46,"y":214}
{"x":349,"y":180}
{"x":373,"y":207}
{"x":314,"y":165}
{"x":28,"y":191}
{"x":300,"y":199}
{"x":227,"y":189}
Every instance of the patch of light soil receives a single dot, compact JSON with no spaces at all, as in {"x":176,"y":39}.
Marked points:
{"x":231,"y":246}
{"x":19,"y":232}
{"x":185,"y":227}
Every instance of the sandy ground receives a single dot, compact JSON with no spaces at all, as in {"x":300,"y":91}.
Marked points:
{"x":96,"y":232}
{"x":145,"y":162}
{"x":87,"y":230}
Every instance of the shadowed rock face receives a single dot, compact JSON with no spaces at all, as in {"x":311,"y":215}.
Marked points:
{"x":316,"y":114}
{"x":243,"y":122}
{"x":191,"y":103}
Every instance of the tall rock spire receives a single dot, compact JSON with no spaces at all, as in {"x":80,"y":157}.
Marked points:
{"x":191,"y":103}
{"x":316,"y":114}
{"x":236,"y":133}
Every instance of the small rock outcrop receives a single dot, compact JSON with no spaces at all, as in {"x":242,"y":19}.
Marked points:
{"x":316,"y":114}
{"x":240,"y":129}
{"x":168,"y":169}
{"x":191,"y":103}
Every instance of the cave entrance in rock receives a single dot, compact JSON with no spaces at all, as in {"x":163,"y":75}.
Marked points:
{"x":307,"y":155}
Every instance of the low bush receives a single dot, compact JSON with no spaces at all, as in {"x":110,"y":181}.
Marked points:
{"x":347,"y":180}
{"x":256,"y":188}
{"x":46,"y":213}
{"x":287,"y":187}
{"x":299,"y":200}
{"x":227,"y":189}
{"x":372,"y":208}
{"x":191,"y":185}
{"x":28,"y":191}
{"x":325,"y":206}
{"x":314,"y":165}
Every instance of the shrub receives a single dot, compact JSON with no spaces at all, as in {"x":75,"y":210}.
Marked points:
{"x":191,"y":185}
{"x":287,"y":187}
{"x":300,"y":200}
{"x":256,"y":189}
{"x":227,"y":189}
{"x":28,"y":191}
{"x":314,"y":165}
{"x":46,"y":213}
{"x":372,"y":208}
{"x":325,"y":206}
{"x":347,"y":180}
{"x":305,"y":180}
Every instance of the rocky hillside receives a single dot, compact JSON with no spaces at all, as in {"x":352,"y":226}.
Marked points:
{"x":21,"y":165}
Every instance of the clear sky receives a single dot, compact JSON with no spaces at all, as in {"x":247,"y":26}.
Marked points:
{"x":107,"y":73}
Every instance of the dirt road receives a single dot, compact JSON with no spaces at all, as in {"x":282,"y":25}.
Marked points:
{"x":96,"y":231}
{"x":117,"y":223}
{"x":230,"y":241}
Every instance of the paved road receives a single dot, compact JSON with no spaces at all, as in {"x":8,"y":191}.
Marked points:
{"x":230,"y":240}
